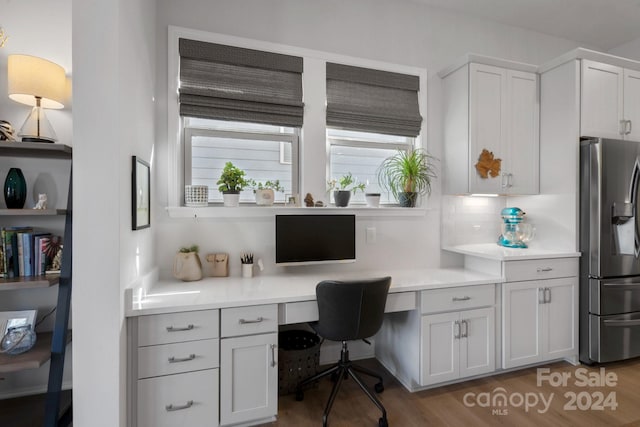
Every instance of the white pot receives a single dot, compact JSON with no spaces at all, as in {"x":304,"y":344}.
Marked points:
{"x":373,"y":200}
{"x":265,"y":197}
{"x":231,"y":199}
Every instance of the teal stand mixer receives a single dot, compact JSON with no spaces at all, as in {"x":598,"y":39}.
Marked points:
{"x":514,"y":235}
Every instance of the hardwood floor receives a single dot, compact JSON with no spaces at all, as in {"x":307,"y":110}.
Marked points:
{"x":445,"y":406}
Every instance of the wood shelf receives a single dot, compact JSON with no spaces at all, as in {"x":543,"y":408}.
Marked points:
{"x":30,"y":282}
{"x":35,"y":149}
{"x":32,"y":359}
{"x":32,"y":212}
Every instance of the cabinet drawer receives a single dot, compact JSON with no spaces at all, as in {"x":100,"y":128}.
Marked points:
{"x":179,"y":400}
{"x":178,"y":327}
{"x":535,"y":269}
{"x":458,"y":298}
{"x":174,"y":358}
{"x":249,"y":320}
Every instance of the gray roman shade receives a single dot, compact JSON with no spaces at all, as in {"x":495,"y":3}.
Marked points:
{"x":367,"y":100}
{"x":231,"y":83}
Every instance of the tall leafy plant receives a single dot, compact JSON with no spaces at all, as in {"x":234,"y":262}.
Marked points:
{"x":407,"y":172}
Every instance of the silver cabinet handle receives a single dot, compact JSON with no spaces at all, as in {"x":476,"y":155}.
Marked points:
{"x":465,"y":331}
{"x":544,"y":269}
{"x":505,"y":180}
{"x":464,"y":298}
{"x":541,"y":296}
{"x":509,"y":180}
{"x":630,"y":127}
{"x":245,"y":321}
{"x":171,"y":407}
{"x":623,"y":127}
{"x":181,"y":328}
{"x":273,"y":355}
{"x":181,"y":359}
{"x":456,"y":330}
{"x":547,"y":291}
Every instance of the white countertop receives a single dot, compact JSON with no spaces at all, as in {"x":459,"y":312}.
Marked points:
{"x":500,"y":253}
{"x":219,"y":292}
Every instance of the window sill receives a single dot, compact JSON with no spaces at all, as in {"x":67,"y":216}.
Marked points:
{"x":266,"y":211}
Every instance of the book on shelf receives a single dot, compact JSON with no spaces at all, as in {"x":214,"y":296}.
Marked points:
{"x":25,"y":253}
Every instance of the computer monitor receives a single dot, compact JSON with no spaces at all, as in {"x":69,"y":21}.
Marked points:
{"x":315,"y":239}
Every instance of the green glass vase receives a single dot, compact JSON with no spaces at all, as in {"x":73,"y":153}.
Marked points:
{"x":15,"y":189}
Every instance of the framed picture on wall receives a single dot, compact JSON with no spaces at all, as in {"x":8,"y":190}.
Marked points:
{"x":140,"y":194}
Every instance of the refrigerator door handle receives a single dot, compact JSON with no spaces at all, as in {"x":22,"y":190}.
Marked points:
{"x":622,"y":323}
{"x":635,"y":285}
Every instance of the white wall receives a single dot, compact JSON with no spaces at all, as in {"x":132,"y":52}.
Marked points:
{"x":405,"y":33}
{"x":113,"y":55}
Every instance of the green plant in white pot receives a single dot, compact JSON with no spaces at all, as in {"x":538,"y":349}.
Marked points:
{"x":342,"y":189}
{"x":407,"y":175}
{"x":265,"y":192}
{"x":231,"y":183}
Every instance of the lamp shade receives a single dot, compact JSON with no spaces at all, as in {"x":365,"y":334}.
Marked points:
{"x":30,"y":77}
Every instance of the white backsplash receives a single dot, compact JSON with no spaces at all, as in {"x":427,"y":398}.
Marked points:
{"x":467,"y":220}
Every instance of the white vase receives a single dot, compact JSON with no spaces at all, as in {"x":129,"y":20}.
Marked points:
{"x":231,"y":199}
{"x":373,"y":199}
{"x":247,"y":270}
{"x":265,"y":197}
{"x":187,"y":266}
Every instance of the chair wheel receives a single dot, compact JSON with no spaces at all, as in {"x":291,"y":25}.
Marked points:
{"x":299,"y":395}
{"x":379,"y":388}
{"x":382,"y":422}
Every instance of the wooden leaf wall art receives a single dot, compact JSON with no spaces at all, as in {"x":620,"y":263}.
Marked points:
{"x":488,"y":165}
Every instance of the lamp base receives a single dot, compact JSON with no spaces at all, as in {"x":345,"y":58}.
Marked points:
{"x":34,"y":139}
{"x":36,"y":127}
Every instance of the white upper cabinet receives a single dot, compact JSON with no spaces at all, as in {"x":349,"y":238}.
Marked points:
{"x":492,"y":108}
{"x":610,"y":104}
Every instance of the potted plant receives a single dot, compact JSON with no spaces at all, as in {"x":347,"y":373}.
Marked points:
{"x":231,"y":183}
{"x":407,"y":174}
{"x":265,"y":193}
{"x":342,"y":189}
{"x":186,"y":265}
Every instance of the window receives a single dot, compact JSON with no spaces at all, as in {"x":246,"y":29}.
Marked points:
{"x":264,"y":152}
{"x":370,"y":115}
{"x":243,"y":106}
{"x":361,"y":153}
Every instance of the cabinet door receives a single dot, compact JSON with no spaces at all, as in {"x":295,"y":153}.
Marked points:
{"x":440,"y":348}
{"x":248,"y":378}
{"x":602,"y":100}
{"x":560,"y":318}
{"x":632,"y":103}
{"x":477,"y":343}
{"x":522,"y":162}
{"x":521,"y":323}
{"x":189,"y":399}
{"x":487,"y":124}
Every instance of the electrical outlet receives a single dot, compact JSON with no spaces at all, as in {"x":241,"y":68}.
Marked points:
{"x":371,"y":235}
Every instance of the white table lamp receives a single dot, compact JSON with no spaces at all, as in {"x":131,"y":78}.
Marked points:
{"x":40,"y":83}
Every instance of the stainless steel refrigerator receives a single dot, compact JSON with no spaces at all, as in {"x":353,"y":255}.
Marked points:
{"x":610,"y":245}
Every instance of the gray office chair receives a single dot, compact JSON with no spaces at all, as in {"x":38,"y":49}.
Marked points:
{"x":349,"y":310}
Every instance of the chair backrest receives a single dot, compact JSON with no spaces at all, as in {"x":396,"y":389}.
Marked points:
{"x":351,"y":310}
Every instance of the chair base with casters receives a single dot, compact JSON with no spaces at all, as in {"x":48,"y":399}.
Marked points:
{"x":344,"y":369}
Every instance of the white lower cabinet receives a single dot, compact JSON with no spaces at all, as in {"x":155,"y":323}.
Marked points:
{"x":539,"y":321}
{"x":249,"y":365}
{"x":189,"y":399}
{"x":457,"y":345}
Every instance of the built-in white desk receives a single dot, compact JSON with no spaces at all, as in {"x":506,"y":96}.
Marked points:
{"x":207,"y":350}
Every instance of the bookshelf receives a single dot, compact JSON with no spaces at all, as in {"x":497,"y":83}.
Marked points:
{"x":49,"y":346}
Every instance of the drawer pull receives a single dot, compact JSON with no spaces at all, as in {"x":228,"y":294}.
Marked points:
{"x":183,"y":328}
{"x":273,"y":355}
{"x":181,"y":359}
{"x":544,"y":269}
{"x":245,"y":321}
{"x":464,"y":298}
{"x":171,"y":407}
